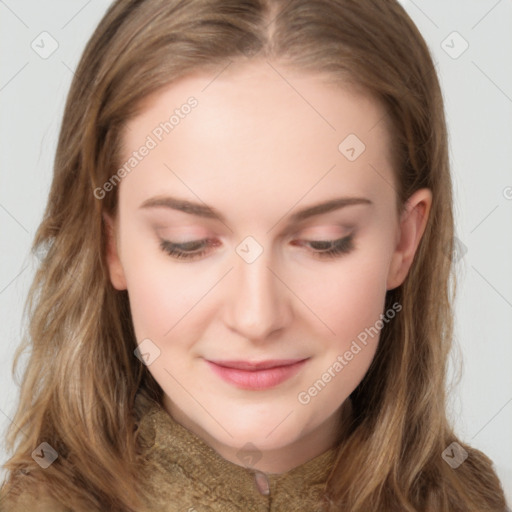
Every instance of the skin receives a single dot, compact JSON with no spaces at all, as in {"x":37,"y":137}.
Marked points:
{"x":258,"y":151}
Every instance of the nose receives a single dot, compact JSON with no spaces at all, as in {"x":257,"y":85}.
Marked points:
{"x":258,"y":301}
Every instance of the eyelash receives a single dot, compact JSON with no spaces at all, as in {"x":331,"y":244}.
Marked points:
{"x":335,"y":248}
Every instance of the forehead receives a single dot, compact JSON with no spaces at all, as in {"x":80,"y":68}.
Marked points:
{"x":260,"y":128}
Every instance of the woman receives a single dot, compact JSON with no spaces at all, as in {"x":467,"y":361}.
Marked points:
{"x":246,"y":299}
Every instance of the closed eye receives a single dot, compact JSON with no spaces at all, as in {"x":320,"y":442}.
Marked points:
{"x":196,"y":249}
{"x":331,"y":248}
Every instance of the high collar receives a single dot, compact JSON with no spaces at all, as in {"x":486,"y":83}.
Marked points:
{"x":188,"y":473}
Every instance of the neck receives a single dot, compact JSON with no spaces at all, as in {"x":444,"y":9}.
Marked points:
{"x":282,"y":459}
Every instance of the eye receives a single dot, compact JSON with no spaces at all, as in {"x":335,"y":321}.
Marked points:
{"x":331,"y":248}
{"x":188,"y":250}
{"x":198,"y":248}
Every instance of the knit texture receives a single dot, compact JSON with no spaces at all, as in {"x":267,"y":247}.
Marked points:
{"x":187,"y":475}
{"x":184,"y":474}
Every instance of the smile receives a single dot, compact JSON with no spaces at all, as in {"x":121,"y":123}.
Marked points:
{"x":256,"y":375}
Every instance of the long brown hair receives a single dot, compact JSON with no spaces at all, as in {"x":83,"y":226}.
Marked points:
{"x":78,"y":388}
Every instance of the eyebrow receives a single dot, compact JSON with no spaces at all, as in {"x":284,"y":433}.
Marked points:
{"x":203,"y":210}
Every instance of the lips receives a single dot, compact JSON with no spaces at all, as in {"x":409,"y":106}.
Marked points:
{"x":261,"y":365}
{"x":256,"y":375}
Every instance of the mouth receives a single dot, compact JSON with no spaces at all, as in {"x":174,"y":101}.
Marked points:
{"x":257,"y":375}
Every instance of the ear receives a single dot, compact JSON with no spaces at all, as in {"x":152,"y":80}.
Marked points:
{"x":412,"y":226}
{"x":115,"y":267}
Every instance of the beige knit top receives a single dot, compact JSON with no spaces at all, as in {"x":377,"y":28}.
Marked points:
{"x":190,"y":476}
{"x":186,"y":475}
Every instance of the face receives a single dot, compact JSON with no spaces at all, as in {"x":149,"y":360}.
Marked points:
{"x":257,"y":237}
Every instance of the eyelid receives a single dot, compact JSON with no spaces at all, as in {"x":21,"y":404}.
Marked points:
{"x":335,"y":248}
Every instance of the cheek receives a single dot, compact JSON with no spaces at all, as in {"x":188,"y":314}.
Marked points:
{"x":351,"y":303}
{"x":349,"y":297}
{"x":161,"y":293}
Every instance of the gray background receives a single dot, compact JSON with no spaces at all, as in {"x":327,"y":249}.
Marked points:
{"x":477,"y":85}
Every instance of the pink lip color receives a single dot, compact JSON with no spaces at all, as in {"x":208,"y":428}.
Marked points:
{"x":262,"y":375}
